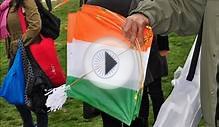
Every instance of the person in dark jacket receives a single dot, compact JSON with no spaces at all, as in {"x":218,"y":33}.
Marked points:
{"x":157,"y":67}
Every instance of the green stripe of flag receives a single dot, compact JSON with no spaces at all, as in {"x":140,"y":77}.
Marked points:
{"x":119,"y":103}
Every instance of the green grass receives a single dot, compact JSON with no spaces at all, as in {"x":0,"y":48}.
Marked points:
{"x":71,"y":114}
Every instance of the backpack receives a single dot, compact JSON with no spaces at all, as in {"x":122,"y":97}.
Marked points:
{"x":50,"y":23}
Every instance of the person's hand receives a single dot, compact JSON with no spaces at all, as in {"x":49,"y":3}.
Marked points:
{"x":134,"y":27}
{"x":164,"y":52}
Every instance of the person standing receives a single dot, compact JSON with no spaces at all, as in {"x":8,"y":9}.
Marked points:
{"x":14,"y":33}
{"x":185,"y":18}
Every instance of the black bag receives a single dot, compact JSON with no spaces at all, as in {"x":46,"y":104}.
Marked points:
{"x":39,"y":87}
{"x":50,"y":23}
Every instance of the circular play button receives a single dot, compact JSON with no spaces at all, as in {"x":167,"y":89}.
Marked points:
{"x":109,"y":63}
{"x":105,"y":63}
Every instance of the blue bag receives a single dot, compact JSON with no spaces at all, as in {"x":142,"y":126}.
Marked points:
{"x":13,"y":87}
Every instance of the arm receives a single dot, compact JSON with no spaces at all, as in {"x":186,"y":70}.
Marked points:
{"x":163,"y":42}
{"x":33,"y":21}
{"x":163,"y":45}
{"x":165,"y":16}
{"x":181,"y":16}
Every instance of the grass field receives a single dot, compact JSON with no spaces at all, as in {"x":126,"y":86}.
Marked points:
{"x":71,"y":114}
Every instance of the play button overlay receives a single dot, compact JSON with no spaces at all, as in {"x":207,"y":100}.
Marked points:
{"x":105,"y":63}
{"x":108,"y":64}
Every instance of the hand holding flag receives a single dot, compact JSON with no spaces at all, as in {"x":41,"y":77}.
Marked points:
{"x":134,"y":27}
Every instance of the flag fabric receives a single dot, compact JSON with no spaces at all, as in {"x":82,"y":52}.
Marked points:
{"x":104,"y":69}
{"x":183,"y":104}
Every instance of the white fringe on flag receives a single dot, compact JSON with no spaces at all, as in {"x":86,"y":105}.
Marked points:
{"x":57,"y":97}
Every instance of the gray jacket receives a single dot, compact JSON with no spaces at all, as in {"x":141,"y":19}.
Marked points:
{"x":184,"y":17}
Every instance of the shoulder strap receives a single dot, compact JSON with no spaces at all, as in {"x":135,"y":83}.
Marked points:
{"x":49,"y":4}
{"x":40,"y":5}
{"x":195,"y":56}
{"x":82,"y":2}
{"x":22,"y":20}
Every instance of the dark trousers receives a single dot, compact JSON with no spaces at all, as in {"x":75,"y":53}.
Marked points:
{"x":42,"y":118}
{"x":109,"y":121}
{"x":156,"y":95}
{"x":155,"y":91}
{"x":25,"y":113}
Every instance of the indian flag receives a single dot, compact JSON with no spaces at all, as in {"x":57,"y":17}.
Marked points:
{"x":104,"y":69}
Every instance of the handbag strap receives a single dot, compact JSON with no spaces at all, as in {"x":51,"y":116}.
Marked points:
{"x":28,"y":70}
{"x":48,"y":3}
{"x":23,"y":23}
{"x":195,"y":56}
{"x":22,"y":20}
{"x":82,"y":2}
{"x":28,"y":73}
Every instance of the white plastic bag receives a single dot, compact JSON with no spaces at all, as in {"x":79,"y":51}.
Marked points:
{"x":182,"y":108}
